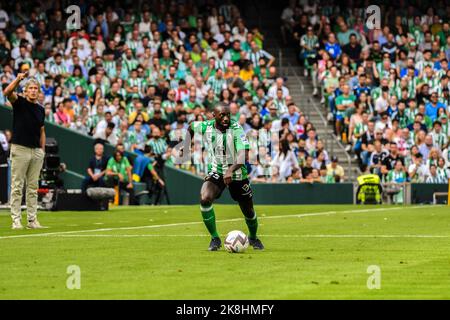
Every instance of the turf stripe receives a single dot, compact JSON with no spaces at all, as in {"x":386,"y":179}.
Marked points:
{"x":421,"y":236}
{"x":201,"y":222}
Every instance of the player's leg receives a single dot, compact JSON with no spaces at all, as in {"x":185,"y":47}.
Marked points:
{"x":251,"y":220}
{"x":241,"y":192}
{"x":32,"y":176}
{"x":20,"y":160}
{"x":208,"y":193}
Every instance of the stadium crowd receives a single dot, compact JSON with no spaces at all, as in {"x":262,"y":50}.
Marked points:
{"x":137,"y":75}
{"x":386,"y":88}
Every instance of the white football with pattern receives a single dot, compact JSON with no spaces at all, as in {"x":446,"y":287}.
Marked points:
{"x":236,"y":242}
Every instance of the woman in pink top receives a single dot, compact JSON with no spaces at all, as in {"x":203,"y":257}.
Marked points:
{"x":61,"y":117}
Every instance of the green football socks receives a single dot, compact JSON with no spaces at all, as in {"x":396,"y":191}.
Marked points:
{"x":209,"y":219}
{"x":252,"y":224}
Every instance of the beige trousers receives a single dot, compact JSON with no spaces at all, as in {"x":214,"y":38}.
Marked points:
{"x":26,"y":165}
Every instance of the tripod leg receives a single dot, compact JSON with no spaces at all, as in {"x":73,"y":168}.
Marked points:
{"x":166,"y":194}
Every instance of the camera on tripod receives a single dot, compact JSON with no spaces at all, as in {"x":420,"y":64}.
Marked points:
{"x":50,"y":183}
{"x":52,"y":166}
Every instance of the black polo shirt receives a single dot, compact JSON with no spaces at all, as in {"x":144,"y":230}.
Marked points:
{"x":98,"y":165}
{"x":28,"y":119}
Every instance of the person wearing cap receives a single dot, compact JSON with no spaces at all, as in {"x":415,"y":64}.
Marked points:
{"x":27,"y":148}
{"x":335,"y":170}
{"x":273,"y":113}
{"x":413,"y":53}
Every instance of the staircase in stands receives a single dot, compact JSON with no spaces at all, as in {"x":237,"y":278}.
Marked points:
{"x":267,"y":18}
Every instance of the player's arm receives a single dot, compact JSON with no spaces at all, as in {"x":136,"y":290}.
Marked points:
{"x":102,"y":173}
{"x":90,"y":173}
{"x":9,"y":90}
{"x":43,"y":138}
{"x":109,"y":169}
{"x":129,"y":174}
{"x":242,"y":156}
{"x":155,"y":175}
{"x":270,"y":57}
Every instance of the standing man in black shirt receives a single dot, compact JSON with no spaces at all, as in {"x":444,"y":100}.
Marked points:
{"x":27,"y":148}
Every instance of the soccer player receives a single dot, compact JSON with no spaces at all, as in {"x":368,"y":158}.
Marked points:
{"x":227,"y":151}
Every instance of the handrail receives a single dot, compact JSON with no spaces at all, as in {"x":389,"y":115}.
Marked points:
{"x":302,"y":88}
{"x":349,"y":159}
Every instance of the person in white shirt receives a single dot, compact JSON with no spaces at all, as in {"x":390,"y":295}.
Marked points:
{"x":285,"y":161}
{"x":279,"y":84}
{"x":213,"y":21}
{"x":382,"y":103}
{"x":418,"y":171}
{"x":144,"y":25}
{"x":104,"y":122}
{"x":107,"y":134}
{"x":384,"y":123}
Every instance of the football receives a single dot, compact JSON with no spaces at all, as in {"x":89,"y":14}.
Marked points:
{"x":236,"y":242}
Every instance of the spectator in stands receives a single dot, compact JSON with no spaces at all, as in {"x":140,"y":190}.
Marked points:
{"x":335,"y":170}
{"x":434,"y":177}
{"x":285,"y":161}
{"x":118,"y":173}
{"x":107,"y":134}
{"x":96,"y":170}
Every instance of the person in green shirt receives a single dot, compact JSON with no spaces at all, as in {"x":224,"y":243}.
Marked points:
{"x":118,"y":173}
{"x":343,"y":102}
{"x":234,"y":53}
{"x":75,"y":80}
{"x":228,"y":149}
{"x":210,"y":101}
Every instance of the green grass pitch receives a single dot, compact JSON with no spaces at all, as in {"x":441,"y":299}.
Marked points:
{"x":312,"y":252}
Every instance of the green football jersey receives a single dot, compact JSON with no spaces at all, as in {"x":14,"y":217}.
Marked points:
{"x":223,"y":147}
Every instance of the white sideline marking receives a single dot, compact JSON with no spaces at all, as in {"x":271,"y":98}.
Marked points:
{"x":200,"y":222}
{"x":263,"y":236}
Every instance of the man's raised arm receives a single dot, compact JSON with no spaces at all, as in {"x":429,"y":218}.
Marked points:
{"x":9,"y":90}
